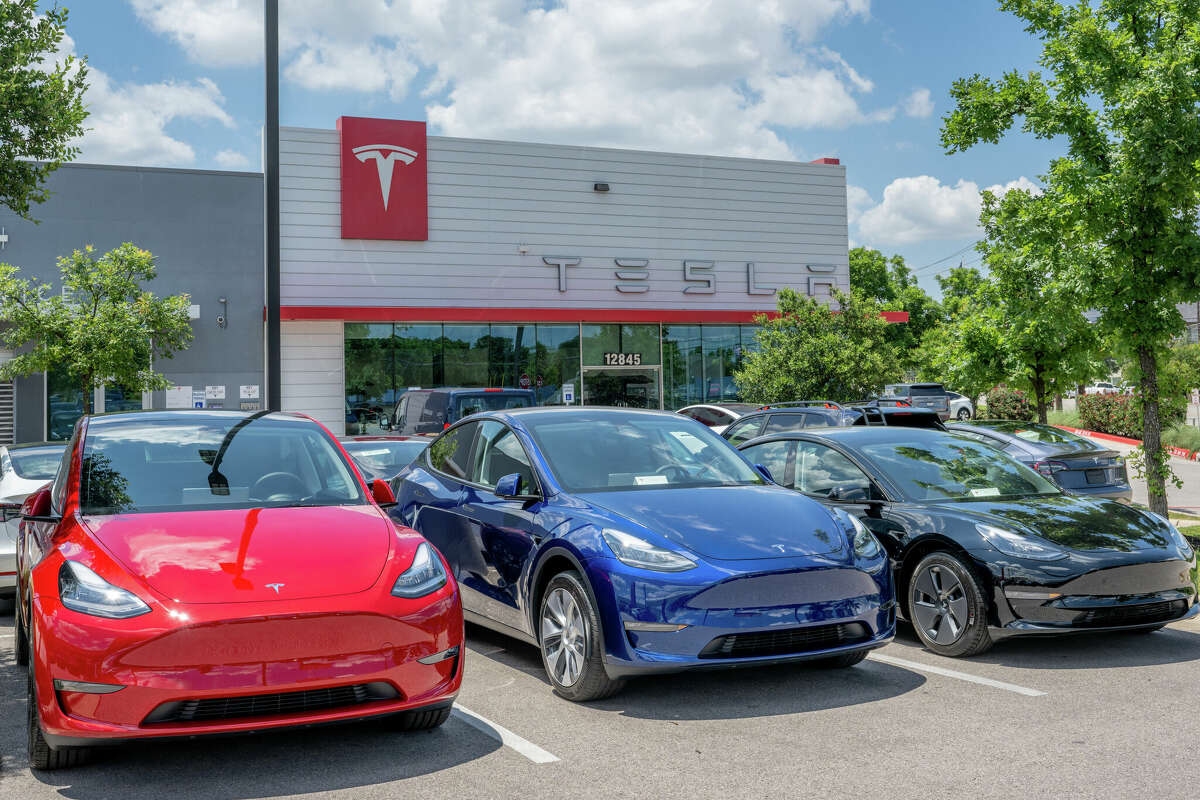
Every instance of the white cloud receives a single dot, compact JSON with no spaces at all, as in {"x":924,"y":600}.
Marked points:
{"x":682,"y":75}
{"x":231,"y":159}
{"x":858,"y":200}
{"x":918,"y":104}
{"x":127,"y":122}
{"x":921,"y":208}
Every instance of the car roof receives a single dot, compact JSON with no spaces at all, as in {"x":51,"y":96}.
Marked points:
{"x":862,"y":434}
{"x":30,"y":445}
{"x":383,"y":438}
{"x":532,"y":412}
{"x":188,"y":415}
{"x":451,"y":389}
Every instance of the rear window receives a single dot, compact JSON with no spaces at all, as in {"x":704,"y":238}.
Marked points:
{"x":905,"y":419}
{"x":36,"y":463}
{"x":1044,"y":434}
{"x":927,"y":391}
{"x":467,"y":404}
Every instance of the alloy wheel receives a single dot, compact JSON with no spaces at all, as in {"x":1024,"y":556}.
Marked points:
{"x":564,"y":637}
{"x":939,"y":604}
{"x":964,"y":414}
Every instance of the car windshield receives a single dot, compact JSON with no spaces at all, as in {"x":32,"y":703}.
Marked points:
{"x":384,"y":458}
{"x":211,"y":462}
{"x":467,"y":404}
{"x":614,"y":451}
{"x":36,"y":463}
{"x":955,"y":469}
{"x":1043,"y":434}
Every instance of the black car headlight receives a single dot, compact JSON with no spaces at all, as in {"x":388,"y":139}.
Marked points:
{"x":1185,"y":547}
{"x":866,"y":546}
{"x":1020,"y":545}
{"x":84,"y":591}
{"x":426,"y":575}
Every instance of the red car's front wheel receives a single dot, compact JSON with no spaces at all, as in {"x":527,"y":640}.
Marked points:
{"x":41,"y":754}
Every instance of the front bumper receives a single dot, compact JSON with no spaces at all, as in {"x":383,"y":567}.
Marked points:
{"x":765,"y":612}
{"x":1058,"y":598}
{"x":213,"y":657}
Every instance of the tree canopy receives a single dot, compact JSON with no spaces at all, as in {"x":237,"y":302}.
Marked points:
{"x":41,"y":102}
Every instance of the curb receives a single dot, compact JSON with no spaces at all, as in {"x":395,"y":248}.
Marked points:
{"x":1179,"y":452}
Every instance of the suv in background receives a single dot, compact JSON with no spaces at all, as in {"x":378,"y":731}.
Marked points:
{"x":434,"y":410}
{"x":793,"y":416}
{"x":921,"y":395}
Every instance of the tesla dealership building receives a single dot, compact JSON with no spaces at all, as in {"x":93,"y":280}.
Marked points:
{"x":588,"y":275}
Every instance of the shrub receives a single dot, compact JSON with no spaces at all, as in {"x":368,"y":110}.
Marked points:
{"x":1118,"y":414}
{"x":1005,"y":403}
{"x":1182,"y":435}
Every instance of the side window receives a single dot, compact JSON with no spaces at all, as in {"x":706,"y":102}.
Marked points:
{"x":777,"y":457}
{"x":977,"y":437}
{"x":705,"y":416}
{"x":784,"y":423}
{"x":744,"y":431}
{"x":451,"y":452}
{"x":820,"y":468}
{"x":58,"y":492}
{"x":401,"y":408}
{"x":499,"y":454}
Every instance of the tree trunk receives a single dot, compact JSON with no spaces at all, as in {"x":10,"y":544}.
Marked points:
{"x":1039,"y":394}
{"x":1152,"y":431}
{"x":1058,"y":402}
{"x":87,"y":397}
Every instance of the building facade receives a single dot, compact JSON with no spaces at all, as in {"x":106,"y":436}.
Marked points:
{"x":206,"y":230}
{"x":589,"y":275}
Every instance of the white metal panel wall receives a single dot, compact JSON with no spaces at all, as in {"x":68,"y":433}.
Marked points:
{"x":489,"y":200}
{"x":312,"y":357}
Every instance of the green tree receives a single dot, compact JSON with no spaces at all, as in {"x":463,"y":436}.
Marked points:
{"x":101,"y":327}
{"x":966,"y":353}
{"x":811,"y":351}
{"x":1121,"y":90}
{"x":1049,"y":345}
{"x":959,"y":286}
{"x":41,"y":102}
{"x":889,"y":281}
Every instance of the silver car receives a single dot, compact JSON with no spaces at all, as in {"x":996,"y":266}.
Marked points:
{"x":24,"y":468}
{"x":961,"y":407}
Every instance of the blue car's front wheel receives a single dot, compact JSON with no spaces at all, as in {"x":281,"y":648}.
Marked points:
{"x":571,"y":641}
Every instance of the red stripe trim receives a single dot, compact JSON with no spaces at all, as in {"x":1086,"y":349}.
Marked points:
{"x":426,"y":314}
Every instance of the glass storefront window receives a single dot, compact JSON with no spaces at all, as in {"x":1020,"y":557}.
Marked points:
{"x":465,"y":353}
{"x":722,"y":349}
{"x":557,"y":358}
{"x":417,"y":356}
{"x":510,"y":348}
{"x":605,"y":343}
{"x":370,"y":390}
{"x":64,"y":405}
{"x":683,"y":370}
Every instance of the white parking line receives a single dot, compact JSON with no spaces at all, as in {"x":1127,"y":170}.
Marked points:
{"x":509,"y":739}
{"x":950,"y":673}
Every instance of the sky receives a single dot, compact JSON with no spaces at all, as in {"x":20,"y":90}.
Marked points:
{"x":179,"y":83}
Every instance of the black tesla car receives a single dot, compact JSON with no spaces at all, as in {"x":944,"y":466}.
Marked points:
{"x":983,"y":547}
{"x":1076,"y":463}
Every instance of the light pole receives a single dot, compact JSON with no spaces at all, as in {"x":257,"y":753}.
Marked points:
{"x":271,"y":177}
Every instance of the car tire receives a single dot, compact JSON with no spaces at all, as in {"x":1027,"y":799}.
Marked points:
{"x":41,"y":754}
{"x":20,"y":640}
{"x":424,"y":719}
{"x":964,"y":414}
{"x":575,"y":667}
{"x":947,"y":606}
{"x":841,"y":661}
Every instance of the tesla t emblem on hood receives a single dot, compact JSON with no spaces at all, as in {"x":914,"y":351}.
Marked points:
{"x":276,"y":586}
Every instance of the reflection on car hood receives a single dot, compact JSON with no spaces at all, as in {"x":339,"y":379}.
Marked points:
{"x":1079,"y":523}
{"x":729,"y":522}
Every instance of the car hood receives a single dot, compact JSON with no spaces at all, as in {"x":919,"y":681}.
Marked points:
{"x":728,"y":523}
{"x":1078,"y":523}
{"x":243,"y":555}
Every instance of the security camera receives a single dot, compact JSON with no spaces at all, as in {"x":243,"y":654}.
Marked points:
{"x":220,"y":320}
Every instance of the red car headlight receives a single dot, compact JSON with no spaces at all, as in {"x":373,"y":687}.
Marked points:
{"x":84,"y":591}
{"x":425,"y":576}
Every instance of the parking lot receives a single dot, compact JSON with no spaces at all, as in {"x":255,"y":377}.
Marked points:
{"x":1084,"y":716}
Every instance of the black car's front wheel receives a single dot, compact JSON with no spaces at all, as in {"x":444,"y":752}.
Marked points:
{"x":572,"y":650}
{"x":948,"y":606}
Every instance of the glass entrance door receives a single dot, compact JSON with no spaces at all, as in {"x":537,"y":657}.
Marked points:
{"x":626,"y":387}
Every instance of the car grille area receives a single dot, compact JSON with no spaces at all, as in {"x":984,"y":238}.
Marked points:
{"x":786,"y":641}
{"x":1143,"y":613}
{"x":210,"y":709}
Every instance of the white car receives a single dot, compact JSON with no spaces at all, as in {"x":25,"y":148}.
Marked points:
{"x":24,"y":468}
{"x":717,"y":416}
{"x":1102,"y":387}
{"x":961,"y":407}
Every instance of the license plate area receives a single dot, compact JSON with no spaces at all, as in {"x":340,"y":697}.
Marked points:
{"x":1096,"y":476}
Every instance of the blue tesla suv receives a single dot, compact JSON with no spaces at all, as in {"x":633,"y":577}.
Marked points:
{"x":622,"y":542}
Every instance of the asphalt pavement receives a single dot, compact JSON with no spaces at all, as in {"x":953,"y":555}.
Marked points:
{"x":1088,"y":716}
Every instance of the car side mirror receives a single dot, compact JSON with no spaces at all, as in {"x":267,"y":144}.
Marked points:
{"x":512,"y":487}
{"x":766,"y":473}
{"x":37,"y":507}
{"x":382,"y":493}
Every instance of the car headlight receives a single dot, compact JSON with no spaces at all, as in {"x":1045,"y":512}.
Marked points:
{"x":84,"y":591}
{"x":636,"y":552}
{"x":1181,"y":541}
{"x":426,"y":574}
{"x":865,"y":544}
{"x":1020,"y":545}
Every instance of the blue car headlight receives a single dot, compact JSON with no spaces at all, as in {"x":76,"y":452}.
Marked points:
{"x":1020,"y":545}
{"x":426,"y":574}
{"x":866,"y":546}
{"x":637,"y":552}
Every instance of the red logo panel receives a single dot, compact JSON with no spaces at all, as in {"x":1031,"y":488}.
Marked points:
{"x":384,"y":182}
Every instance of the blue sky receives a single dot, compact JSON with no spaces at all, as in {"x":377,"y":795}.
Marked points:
{"x":179,"y":83}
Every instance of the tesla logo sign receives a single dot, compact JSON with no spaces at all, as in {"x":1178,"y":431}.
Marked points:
{"x":383,"y":179}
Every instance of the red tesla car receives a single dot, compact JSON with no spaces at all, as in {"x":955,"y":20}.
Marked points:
{"x":201,"y":572}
